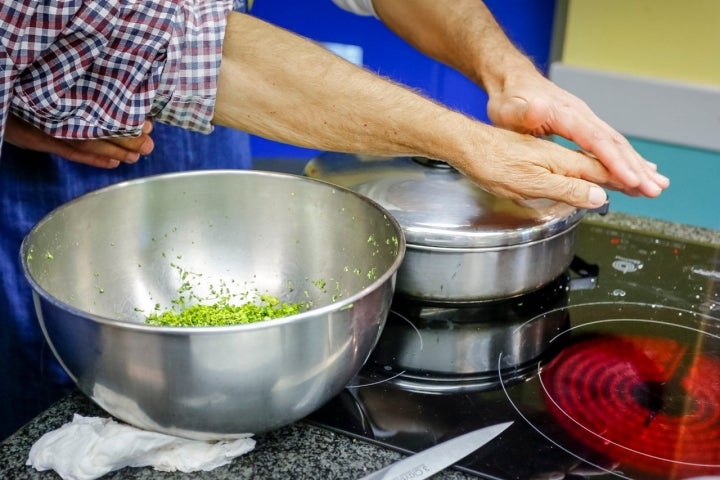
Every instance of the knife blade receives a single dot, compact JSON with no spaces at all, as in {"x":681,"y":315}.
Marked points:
{"x":430,"y":461}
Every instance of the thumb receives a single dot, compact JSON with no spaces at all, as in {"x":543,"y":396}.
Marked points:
{"x":508,"y":113}
{"x":519,"y":114}
{"x":579,"y":193}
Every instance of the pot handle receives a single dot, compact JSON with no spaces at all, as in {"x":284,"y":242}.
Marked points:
{"x":432,"y":163}
{"x":601,"y":210}
{"x":588,"y":274}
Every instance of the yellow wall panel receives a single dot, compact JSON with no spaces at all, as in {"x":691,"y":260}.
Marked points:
{"x":671,"y":39}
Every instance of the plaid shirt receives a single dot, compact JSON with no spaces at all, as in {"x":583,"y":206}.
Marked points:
{"x":98,"y":68}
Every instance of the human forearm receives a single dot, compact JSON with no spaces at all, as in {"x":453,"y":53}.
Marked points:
{"x":462,"y":34}
{"x":283,"y":87}
{"x":278,"y":85}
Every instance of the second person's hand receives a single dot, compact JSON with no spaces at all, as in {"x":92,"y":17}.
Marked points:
{"x":103,"y":153}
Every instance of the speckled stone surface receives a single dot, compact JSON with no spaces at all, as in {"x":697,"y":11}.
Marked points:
{"x":658,"y":227}
{"x":300,"y":451}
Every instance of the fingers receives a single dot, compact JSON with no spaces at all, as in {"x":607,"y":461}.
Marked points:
{"x":583,"y":167}
{"x":621,"y":159}
{"x":527,"y":167}
{"x":74,"y":155}
{"x":579,"y":186}
{"x":545,"y":184}
{"x":103,"y":153}
{"x":635,"y":174}
{"x":122,"y":149}
{"x":125,"y":150}
{"x":91,"y":156}
{"x":576,"y":192}
{"x":532,"y":104}
{"x":141,"y":145}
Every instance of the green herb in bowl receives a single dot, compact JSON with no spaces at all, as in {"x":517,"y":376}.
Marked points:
{"x":223,"y":313}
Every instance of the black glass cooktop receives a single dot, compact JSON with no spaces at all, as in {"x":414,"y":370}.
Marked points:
{"x":610,"y":371}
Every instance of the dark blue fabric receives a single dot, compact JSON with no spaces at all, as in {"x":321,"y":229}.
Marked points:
{"x":31,"y":185}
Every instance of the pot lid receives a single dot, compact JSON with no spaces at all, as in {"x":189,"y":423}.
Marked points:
{"x":437,"y":206}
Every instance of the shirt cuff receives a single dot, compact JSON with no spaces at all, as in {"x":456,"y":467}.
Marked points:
{"x":358,"y":7}
{"x":188,"y":84}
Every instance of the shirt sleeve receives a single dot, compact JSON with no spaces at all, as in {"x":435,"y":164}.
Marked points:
{"x":5,"y":92}
{"x":358,"y":7}
{"x":90,"y":68}
{"x":188,"y":85}
{"x":93,"y":68}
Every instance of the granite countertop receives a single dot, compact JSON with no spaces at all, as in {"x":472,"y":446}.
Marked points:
{"x":298,"y":451}
{"x":659,"y":227}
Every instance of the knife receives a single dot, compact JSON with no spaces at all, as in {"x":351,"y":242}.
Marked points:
{"x":428,"y":462}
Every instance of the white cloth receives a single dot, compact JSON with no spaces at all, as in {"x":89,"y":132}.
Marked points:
{"x":89,"y":447}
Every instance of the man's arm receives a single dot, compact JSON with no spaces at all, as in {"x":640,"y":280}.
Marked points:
{"x":467,"y":38}
{"x":278,"y":85}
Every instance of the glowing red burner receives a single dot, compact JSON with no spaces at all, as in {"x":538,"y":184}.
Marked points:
{"x":643,"y":401}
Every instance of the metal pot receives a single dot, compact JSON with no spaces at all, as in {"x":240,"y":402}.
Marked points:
{"x":463,"y":244}
{"x":99,"y":264}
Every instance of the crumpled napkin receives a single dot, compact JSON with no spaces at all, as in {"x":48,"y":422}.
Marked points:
{"x":89,"y":447}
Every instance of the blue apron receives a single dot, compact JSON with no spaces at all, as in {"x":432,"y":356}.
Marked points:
{"x":31,"y":185}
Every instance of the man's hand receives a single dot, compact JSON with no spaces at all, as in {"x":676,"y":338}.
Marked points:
{"x":103,"y":153}
{"x":529,"y":103}
{"x":468,"y":38}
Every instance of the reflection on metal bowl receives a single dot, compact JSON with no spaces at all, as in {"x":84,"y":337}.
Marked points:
{"x":99,"y":264}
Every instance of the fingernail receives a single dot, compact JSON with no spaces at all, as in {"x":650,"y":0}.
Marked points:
{"x":147,"y":146}
{"x":597,"y":196}
{"x":662,"y":180}
{"x":132,"y":157}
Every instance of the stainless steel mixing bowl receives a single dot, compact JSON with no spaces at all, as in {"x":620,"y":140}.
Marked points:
{"x":101,"y":263}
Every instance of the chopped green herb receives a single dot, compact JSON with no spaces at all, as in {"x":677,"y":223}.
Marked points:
{"x":223,"y":313}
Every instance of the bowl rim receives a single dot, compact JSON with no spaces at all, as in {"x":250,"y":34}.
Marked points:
{"x":339,"y":305}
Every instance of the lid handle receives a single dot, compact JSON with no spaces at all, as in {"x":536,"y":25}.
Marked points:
{"x":601,"y":210}
{"x":432,"y":163}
